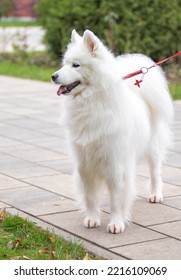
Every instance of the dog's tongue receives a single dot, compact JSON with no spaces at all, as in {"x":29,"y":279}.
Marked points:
{"x":60,"y":90}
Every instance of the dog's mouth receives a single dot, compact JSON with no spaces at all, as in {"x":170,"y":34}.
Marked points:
{"x":63,"y":89}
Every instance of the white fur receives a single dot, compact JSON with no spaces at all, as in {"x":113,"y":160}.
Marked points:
{"x":112,"y":123}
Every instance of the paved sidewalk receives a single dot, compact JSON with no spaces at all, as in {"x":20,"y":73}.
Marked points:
{"x":26,"y":38}
{"x":35,"y":179}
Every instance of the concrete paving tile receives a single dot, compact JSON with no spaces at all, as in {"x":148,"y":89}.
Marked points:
{"x":146,"y":214}
{"x":5,"y":141}
{"x":42,"y":141}
{"x":172,"y":175}
{"x":177,"y":135}
{"x":3,"y":156}
{"x":36,"y":201}
{"x":161,"y":249}
{"x":52,"y":143}
{"x":170,"y":190}
{"x":51,"y":118}
{"x":173,"y":229}
{"x":19,"y":168}
{"x":20,"y":111}
{"x":3,"y":205}
{"x":5,"y":106}
{"x":174,"y":202}
{"x":176,"y":123}
{"x":63,"y":165}
{"x":54,"y":131}
{"x":174,"y":159}
{"x":17,"y":133}
{"x":177,"y":104}
{"x":10,"y":183}
{"x":30,"y":123}
{"x":60,"y":184}
{"x":3,"y":114}
{"x":176,"y":147}
{"x":72,"y":222}
{"x":31,"y":153}
{"x":142,"y":184}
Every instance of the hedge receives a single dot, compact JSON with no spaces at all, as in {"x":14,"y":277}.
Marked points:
{"x":151,"y":27}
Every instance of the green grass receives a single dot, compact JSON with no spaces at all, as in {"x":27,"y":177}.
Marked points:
{"x":18,"y":23}
{"x":175,"y":89}
{"x":21,"y":239}
{"x":34,"y":72}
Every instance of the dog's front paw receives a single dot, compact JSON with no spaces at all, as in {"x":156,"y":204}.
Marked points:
{"x":115,"y":228}
{"x":92,"y":222}
{"x":155,"y":198}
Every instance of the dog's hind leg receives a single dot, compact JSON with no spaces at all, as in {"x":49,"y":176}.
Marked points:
{"x":159,"y":143}
{"x":157,"y":150}
{"x":155,"y":178}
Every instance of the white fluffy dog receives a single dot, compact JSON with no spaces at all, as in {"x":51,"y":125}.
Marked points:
{"x":112,"y":123}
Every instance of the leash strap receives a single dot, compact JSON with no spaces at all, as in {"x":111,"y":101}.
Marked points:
{"x":144,"y":70}
{"x":164,"y":60}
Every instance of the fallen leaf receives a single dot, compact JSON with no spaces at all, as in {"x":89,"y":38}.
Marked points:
{"x":26,"y":258}
{"x":87,"y":257}
{"x":44,"y":251}
{"x":53,"y":254}
{"x":52,"y":238}
{"x":49,"y":252}
{"x":2,"y":215}
{"x":2,"y":212}
{"x":15,"y":258}
{"x":17,"y":243}
{"x":38,"y":228}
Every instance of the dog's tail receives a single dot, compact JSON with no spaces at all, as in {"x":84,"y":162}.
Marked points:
{"x":155,"y":93}
{"x":153,"y":88}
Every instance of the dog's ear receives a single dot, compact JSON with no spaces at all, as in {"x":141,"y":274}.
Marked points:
{"x":91,"y":41}
{"x":75,"y":36}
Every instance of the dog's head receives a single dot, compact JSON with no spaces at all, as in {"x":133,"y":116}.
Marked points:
{"x":79,"y":64}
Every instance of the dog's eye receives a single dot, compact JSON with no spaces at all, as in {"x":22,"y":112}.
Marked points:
{"x":75,"y":65}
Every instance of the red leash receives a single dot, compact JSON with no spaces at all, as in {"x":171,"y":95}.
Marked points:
{"x":144,"y":70}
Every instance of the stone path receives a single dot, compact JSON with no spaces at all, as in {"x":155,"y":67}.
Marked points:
{"x":35,"y":179}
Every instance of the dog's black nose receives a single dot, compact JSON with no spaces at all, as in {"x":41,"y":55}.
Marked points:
{"x":54,"y":77}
